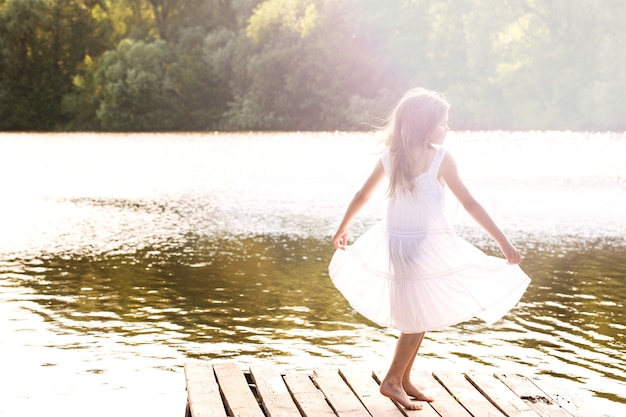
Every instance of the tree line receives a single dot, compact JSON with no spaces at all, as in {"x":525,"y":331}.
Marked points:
{"x":197,"y":65}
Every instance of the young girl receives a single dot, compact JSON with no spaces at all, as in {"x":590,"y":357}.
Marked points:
{"x":411,"y":271}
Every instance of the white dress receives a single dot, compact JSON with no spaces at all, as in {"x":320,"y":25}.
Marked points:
{"x":413,"y":273}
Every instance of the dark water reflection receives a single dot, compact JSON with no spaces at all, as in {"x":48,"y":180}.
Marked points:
{"x":578,"y":298}
{"x":230,"y":291}
{"x":269,"y":297}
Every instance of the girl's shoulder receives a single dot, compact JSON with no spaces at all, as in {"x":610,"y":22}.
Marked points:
{"x":448,"y":166}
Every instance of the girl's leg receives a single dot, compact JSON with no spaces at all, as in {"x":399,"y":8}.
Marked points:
{"x":391,"y":386}
{"x":408,"y":386}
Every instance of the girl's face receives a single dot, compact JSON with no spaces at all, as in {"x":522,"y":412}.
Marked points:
{"x":438,"y":134}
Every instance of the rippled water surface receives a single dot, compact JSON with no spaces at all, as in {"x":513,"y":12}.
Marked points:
{"x":123,"y":255}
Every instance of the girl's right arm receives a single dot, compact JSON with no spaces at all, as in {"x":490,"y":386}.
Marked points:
{"x":340,"y":240}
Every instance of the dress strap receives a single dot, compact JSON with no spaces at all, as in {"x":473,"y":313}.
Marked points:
{"x":386,"y":160}
{"x":434,"y":166}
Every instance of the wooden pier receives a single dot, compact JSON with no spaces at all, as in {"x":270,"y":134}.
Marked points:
{"x":225,"y":389}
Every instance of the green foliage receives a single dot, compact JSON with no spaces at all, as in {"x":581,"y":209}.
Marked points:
{"x":137,"y":93}
{"x":200,"y":76}
{"x":306,"y":80}
{"x":308,"y":64}
{"x":41,"y":44}
{"x":297,"y":17}
{"x":80,"y":105}
{"x":152,"y":85}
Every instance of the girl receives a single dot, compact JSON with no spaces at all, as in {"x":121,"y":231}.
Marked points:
{"x":411,"y":271}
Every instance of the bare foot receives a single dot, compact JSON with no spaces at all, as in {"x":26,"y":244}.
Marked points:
{"x":416,"y":393}
{"x":397,"y":394}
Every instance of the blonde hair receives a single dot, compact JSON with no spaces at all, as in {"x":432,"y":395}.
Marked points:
{"x":409,"y":126}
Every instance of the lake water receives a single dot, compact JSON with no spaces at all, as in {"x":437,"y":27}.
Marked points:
{"x":121,"y":256}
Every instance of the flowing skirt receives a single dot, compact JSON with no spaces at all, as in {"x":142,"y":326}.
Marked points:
{"x":418,"y":282}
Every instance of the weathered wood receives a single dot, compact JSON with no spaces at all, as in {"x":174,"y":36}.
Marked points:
{"x":500,"y":395}
{"x":310,"y":400}
{"x":203,"y":393}
{"x":445,"y":404}
{"x":340,"y":396}
{"x":467,"y":395}
{"x":567,"y":400}
{"x":273,"y":392}
{"x":367,"y":390}
{"x":534,"y":397}
{"x":238,"y":398}
{"x":224,"y":389}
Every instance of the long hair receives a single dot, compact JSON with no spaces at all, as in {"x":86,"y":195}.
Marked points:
{"x":408,"y":127}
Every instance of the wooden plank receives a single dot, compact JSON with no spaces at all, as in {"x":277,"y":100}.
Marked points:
{"x":445,"y":405}
{"x":238,"y":398}
{"x":307,"y":396}
{"x":367,"y":390}
{"x":534,"y":397}
{"x":221,"y":389}
{"x":273,"y":392}
{"x":467,"y":394}
{"x":500,"y":395}
{"x":339,"y":394}
{"x":203,"y":392}
{"x":567,"y":400}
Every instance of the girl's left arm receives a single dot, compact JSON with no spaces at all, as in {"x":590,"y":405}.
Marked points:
{"x":450,"y":174}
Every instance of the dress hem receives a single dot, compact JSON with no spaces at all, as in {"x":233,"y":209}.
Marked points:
{"x":476,"y":314}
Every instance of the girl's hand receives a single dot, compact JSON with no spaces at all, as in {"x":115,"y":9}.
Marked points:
{"x":340,"y":240}
{"x":511,"y":254}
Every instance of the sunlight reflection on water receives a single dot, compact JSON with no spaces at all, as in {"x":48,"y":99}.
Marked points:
{"x":122,"y":255}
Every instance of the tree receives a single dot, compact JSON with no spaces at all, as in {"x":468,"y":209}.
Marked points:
{"x":307,"y":64}
{"x":601,"y":100}
{"x":137,"y":93}
{"x":41,"y":42}
{"x":149,"y":83}
{"x":308,"y":67}
{"x":200,"y":75}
